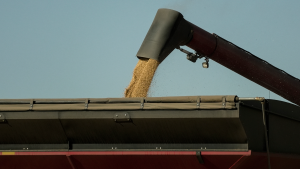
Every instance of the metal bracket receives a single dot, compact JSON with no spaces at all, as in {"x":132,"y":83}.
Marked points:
{"x":122,"y":117}
{"x":142,"y":103}
{"x":205,"y":64}
{"x":191,"y":56}
{"x":224,"y":102}
{"x":199,"y":157}
{"x":198,"y":103}
{"x":2,"y":118}
{"x":31,"y":104}
{"x":86,"y":103}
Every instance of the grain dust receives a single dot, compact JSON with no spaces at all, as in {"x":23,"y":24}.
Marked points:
{"x":141,"y":79}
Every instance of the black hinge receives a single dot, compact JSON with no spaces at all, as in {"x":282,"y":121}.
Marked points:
{"x":122,"y":117}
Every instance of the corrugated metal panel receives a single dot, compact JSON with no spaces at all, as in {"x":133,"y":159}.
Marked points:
{"x":155,"y":103}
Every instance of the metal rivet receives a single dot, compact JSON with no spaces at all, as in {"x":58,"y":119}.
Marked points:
{"x":125,"y":114}
{"x":117,"y":115}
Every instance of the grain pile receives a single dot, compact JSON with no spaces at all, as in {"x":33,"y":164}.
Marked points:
{"x":142,"y":77}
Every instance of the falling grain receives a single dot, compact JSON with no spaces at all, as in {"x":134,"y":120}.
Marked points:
{"x":135,"y":77}
{"x":142,"y":77}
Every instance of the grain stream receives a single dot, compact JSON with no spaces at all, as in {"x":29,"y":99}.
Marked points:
{"x":141,"y":79}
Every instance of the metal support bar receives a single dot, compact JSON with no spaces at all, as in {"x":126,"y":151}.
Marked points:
{"x":86,"y":103}
{"x":70,"y":161}
{"x":261,"y":99}
{"x":266,"y":132}
{"x":31,"y":104}
{"x":263,"y":104}
{"x":199,"y":157}
{"x":142,"y":103}
{"x":224,"y":102}
{"x":198,"y":103}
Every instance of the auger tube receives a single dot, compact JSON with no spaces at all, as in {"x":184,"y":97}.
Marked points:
{"x":170,"y":30}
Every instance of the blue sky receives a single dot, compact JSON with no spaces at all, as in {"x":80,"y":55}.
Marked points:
{"x":86,"y":49}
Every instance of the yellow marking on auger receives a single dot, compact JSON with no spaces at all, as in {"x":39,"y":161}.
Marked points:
{"x":8,"y":153}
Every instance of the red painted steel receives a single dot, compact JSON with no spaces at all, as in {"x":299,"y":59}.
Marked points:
{"x":246,"y":153}
{"x":258,"y":160}
{"x":121,"y":159}
{"x":69,"y":153}
{"x":202,"y":41}
{"x":146,"y":160}
{"x":134,"y":153}
{"x":116,"y":161}
{"x":245,"y":64}
{"x":34,"y":162}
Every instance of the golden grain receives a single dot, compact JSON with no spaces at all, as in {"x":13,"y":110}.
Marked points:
{"x":141,"y":79}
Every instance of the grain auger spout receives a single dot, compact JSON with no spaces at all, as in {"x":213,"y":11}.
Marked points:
{"x":170,"y":30}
